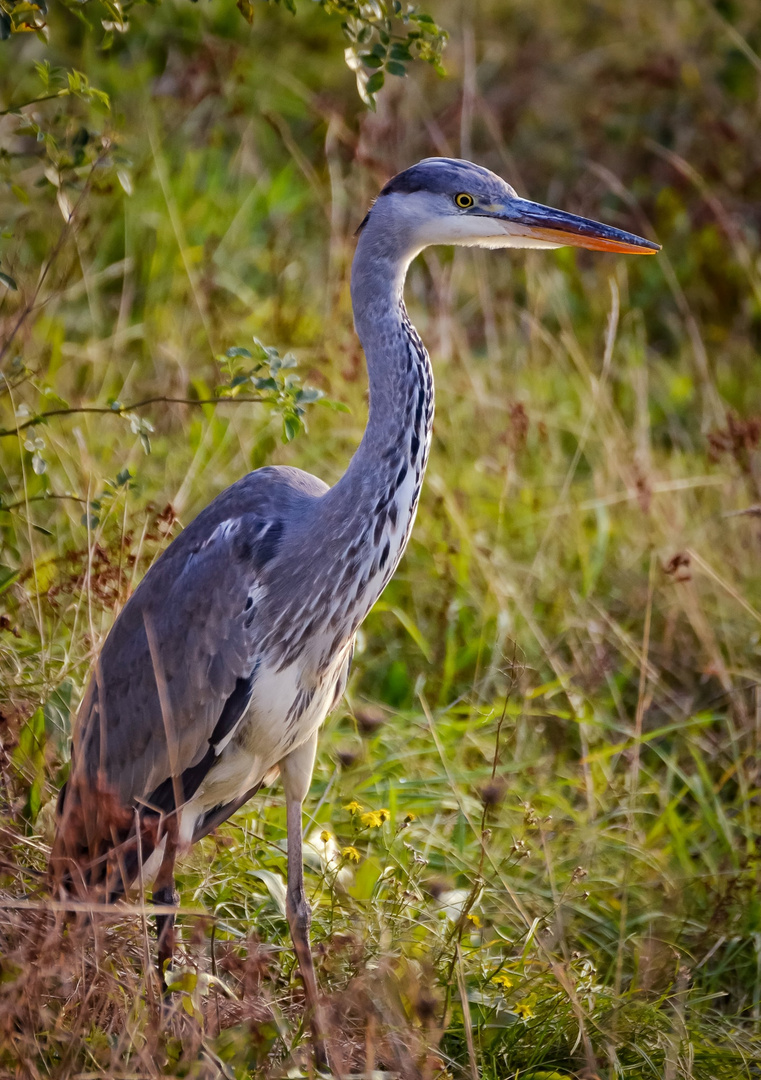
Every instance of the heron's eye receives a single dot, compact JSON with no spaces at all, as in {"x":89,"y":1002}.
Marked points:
{"x":463,"y":200}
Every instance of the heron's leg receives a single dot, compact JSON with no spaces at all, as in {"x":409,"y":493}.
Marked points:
{"x":164,"y":893}
{"x":296,"y":771}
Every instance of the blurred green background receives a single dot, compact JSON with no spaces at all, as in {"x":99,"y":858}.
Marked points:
{"x":561,"y":685}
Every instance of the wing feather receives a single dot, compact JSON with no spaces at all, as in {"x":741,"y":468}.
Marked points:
{"x":138,"y":726}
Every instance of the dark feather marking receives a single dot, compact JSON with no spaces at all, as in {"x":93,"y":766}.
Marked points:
{"x":379,"y":527}
{"x":385,"y":554}
{"x":291,"y":653}
{"x":244,"y":549}
{"x":266,"y":548}
{"x":163,"y":797}
{"x":419,"y":408}
{"x":342,"y":680}
{"x":221,"y":813}
{"x":301,"y":703}
{"x":235,"y":706}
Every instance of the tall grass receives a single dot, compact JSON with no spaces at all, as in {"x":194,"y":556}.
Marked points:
{"x":556,"y":700}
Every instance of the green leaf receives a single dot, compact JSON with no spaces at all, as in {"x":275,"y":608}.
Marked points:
{"x":184,"y":981}
{"x":54,"y":399}
{"x":8,"y":281}
{"x":57,"y":712}
{"x":308,"y":395}
{"x":125,"y":180}
{"x":29,"y":760}
{"x":44,"y":71}
{"x":393,"y":67}
{"x":291,"y":427}
{"x":375,"y":82}
{"x":34,"y":801}
{"x":400,"y":52}
{"x":336,"y":406}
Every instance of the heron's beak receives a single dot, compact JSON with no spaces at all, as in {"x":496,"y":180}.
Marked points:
{"x":539,"y":222}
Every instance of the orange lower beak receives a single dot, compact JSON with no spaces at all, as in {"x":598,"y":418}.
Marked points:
{"x":556,"y":227}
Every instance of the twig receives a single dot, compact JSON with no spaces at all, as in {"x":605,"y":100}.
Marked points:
{"x":35,"y":101}
{"x":121,"y":410}
{"x":6,"y":507}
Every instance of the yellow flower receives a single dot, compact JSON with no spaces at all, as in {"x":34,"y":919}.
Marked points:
{"x":409,"y":817}
{"x":475,"y":920}
{"x":371,"y":819}
{"x":384,"y":814}
{"x":351,"y":854}
{"x":502,"y":980}
{"x":524,"y":1008}
{"x":325,"y":836}
{"x":353,"y":807}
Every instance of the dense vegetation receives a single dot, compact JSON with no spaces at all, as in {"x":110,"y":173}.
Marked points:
{"x":533,"y":825}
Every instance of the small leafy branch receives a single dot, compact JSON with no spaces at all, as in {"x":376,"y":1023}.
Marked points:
{"x":384,"y":37}
{"x":272,"y":375}
{"x":262,"y":370}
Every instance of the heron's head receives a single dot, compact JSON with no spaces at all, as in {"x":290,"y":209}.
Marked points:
{"x":450,"y":201}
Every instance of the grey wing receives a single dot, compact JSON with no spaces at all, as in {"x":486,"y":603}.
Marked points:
{"x":177,"y":670}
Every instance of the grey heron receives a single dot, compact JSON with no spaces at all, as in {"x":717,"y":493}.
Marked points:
{"x":223,"y":665}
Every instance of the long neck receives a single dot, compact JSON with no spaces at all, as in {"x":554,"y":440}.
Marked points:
{"x":376,"y":499}
{"x":399,"y":371}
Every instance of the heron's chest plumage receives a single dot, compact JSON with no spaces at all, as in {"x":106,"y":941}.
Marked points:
{"x":287,"y":705}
